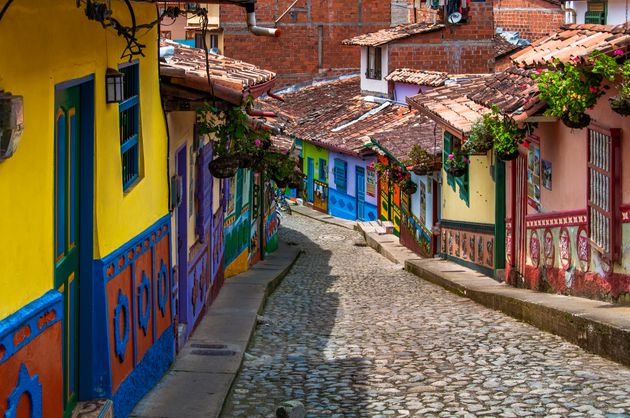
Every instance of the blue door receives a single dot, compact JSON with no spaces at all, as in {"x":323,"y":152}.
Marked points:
{"x":310,"y":180}
{"x":360,"y":193}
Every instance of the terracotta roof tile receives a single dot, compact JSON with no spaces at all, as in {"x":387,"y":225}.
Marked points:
{"x":573,"y":41}
{"x":461,"y":104}
{"x":503,"y":47}
{"x":419,"y":77}
{"x":335,"y":115}
{"x":188,"y":63}
{"x":388,"y":35}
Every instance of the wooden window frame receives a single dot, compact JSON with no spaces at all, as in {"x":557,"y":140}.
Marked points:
{"x":130,"y":107}
{"x":376,"y":72}
{"x":613,"y":174}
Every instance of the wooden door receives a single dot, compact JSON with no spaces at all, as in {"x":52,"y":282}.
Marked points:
{"x":66,"y":226}
{"x":519,"y":208}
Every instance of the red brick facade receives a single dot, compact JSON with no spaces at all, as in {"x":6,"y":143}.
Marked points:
{"x":310,"y":44}
{"x":463,"y":48}
{"x":533,"y":19}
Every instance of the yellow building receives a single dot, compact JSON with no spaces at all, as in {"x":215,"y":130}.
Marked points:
{"x":85,"y":221}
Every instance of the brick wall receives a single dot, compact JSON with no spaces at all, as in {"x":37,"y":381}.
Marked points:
{"x":464,"y":48}
{"x":533,"y":19}
{"x":310,"y":44}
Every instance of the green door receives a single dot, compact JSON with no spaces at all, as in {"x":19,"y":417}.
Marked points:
{"x":67,"y":232}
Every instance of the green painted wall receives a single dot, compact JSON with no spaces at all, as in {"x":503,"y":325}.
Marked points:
{"x":311,"y":151}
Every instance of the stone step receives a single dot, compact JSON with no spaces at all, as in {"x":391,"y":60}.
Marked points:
{"x":388,"y":226}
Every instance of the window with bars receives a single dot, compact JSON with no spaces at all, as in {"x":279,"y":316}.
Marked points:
{"x":373,"y":63}
{"x":603,"y":192}
{"x":323,"y":170}
{"x":129,"y":119}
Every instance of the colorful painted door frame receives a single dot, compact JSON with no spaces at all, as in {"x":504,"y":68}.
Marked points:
{"x":74,"y":116}
{"x":360,"y":185}
{"x":182,"y":234}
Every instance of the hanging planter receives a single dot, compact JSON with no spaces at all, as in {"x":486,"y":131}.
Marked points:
{"x":481,"y":138}
{"x":224,"y":167}
{"x":620,"y":104}
{"x":510,"y":156}
{"x":282,"y":184}
{"x":409,"y":187}
{"x":456,"y":164}
{"x":423,"y":162}
{"x":576,"y":120}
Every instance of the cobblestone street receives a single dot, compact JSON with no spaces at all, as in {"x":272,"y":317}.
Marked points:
{"x":349,"y":333}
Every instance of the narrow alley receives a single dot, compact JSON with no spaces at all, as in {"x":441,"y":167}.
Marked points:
{"x":350,"y":334}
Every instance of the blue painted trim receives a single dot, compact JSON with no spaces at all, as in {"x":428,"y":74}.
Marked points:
{"x":138,"y":239}
{"x":370,"y":208}
{"x":162,"y":283}
{"x":25,"y":384}
{"x":141,"y":380}
{"x":72,"y":83}
{"x":342,"y":204}
{"x":120,"y":342}
{"x":128,"y":104}
{"x":129,"y":143}
{"x":144,"y":308}
{"x":28,"y":316}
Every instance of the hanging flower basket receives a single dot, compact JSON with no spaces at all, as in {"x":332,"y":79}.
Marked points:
{"x":481,"y":139}
{"x":282,"y":184}
{"x":509,"y":156}
{"x":224,"y":167}
{"x":579,"y":121}
{"x":620,"y":104}
{"x":245,"y":160}
{"x":294,"y":183}
{"x":409,"y":187}
{"x":456,"y":171}
{"x":421,"y":170}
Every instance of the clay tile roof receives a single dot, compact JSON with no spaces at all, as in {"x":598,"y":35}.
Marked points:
{"x":419,"y":77}
{"x":503,"y":47}
{"x":418,"y":129}
{"x":574,"y":41}
{"x":281,"y":143}
{"x":187,"y":66}
{"x":336,"y":116}
{"x":388,"y":35}
{"x":460,"y":105}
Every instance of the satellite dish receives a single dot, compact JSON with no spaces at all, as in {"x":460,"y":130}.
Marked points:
{"x":455,"y":17}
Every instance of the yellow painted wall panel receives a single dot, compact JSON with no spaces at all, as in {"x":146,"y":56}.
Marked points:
{"x":42,"y":45}
{"x":239,"y":265}
{"x":482,"y":195}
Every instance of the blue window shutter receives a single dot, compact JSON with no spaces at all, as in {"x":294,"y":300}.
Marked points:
{"x":340,"y":174}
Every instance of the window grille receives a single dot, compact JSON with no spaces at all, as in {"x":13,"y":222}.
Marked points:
{"x":129,"y":118}
{"x":603,"y":192}
{"x":323,"y":170}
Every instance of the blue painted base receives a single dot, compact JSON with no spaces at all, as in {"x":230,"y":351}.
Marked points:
{"x":342,"y":205}
{"x":370,"y":212}
{"x":146,"y":374}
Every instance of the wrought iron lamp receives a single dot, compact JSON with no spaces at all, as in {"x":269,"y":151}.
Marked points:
{"x":114,"y":83}
{"x":11,"y":123}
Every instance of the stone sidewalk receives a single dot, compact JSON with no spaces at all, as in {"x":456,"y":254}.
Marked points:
{"x":200,"y":379}
{"x":599,"y":327}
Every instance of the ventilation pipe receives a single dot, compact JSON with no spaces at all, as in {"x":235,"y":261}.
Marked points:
{"x":255,"y":29}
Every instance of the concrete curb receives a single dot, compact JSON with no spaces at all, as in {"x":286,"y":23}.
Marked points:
{"x":203,"y":377}
{"x":576,"y":326}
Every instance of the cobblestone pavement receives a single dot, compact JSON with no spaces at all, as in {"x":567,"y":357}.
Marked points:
{"x":351,"y":334}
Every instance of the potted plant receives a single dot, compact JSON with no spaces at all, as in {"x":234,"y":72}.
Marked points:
{"x":480,"y":139}
{"x":408,"y":186}
{"x":456,"y":163}
{"x":235,"y":142}
{"x":506,"y":133}
{"x":569,"y":91}
{"x":422,"y":161}
{"x":611,"y":69}
{"x":391,"y":171}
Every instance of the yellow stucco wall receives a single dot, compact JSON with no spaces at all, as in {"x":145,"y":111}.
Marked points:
{"x":239,"y":265}
{"x":482,"y":195}
{"x":43,"y":45}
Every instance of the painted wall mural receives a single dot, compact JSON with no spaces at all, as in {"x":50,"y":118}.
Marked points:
{"x":321,"y":196}
{"x":559,"y":258}
{"x":469,"y":244}
{"x":138,"y":323}
{"x":31,"y":359}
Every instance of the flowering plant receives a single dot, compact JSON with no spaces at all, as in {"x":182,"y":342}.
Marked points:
{"x":391,"y":171}
{"x":610,"y":68}
{"x":569,"y":91}
{"x":456,"y":163}
{"x":422,"y":161}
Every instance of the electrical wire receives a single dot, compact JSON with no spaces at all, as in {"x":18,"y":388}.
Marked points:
{"x":5,"y":8}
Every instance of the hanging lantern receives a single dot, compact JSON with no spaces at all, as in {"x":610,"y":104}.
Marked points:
{"x":114,"y":83}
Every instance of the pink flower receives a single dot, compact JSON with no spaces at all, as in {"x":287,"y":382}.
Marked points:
{"x":451,"y":157}
{"x":575,"y":59}
{"x":258,"y":143}
{"x":372,"y":164}
{"x":466,"y":160}
{"x":592,"y":89}
{"x":540,"y":70}
{"x":618,"y":52}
